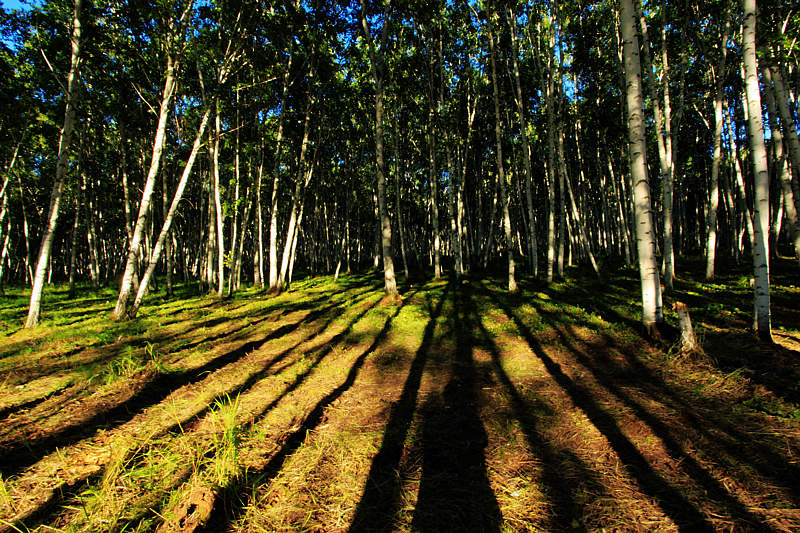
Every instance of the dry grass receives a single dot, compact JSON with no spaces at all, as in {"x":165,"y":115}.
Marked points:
{"x":458,"y":408}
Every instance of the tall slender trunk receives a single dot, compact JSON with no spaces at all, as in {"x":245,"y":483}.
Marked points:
{"x":434,"y":199}
{"x":526,"y":154}
{"x":167,"y":243}
{"x":273,"y":215}
{"x":390,"y":282}
{"x":218,"y":202}
{"x":648,"y":268}
{"x":789,"y":129}
{"x":91,"y":236}
{"x":258,"y":256}
{"x":73,"y":252}
{"x":790,"y":204}
{"x":169,"y":216}
{"x":755,"y":132}
{"x":4,"y":254}
{"x":551,"y":167}
{"x":711,"y":222}
{"x":398,"y":173}
{"x":741,"y":198}
{"x":562,"y":201}
{"x":58,"y":184}
{"x":501,"y":177}
{"x":303,"y":176}
{"x":663,"y":141}
{"x":25,"y":233}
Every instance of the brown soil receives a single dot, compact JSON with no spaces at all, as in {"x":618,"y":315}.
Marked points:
{"x":441,"y":411}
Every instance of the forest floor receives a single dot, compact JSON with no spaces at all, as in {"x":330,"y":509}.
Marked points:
{"x":459,"y":408}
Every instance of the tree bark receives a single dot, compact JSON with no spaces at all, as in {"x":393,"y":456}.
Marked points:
{"x":526,"y":152}
{"x":648,"y":268}
{"x":63,"y":153}
{"x":711,"y":223}
{"x":169,"y":216}
{"x":790,"y":205}
{"x":501,"y":176}
{"x":390,"y":282}
{"x":762,"y":321}
{"x":273,"y":215}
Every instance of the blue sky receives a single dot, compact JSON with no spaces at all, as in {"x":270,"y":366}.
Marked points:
{"x":8,"y":5}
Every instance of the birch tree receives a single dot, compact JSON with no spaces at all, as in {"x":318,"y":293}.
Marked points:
{"x":64,"y":140}
{"x":645,"y":236}
{"x":755,"y":133}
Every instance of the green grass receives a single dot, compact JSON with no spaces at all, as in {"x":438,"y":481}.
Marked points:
{"x":263,"y":412}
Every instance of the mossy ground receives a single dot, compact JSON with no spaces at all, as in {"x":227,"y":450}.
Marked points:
{"x":458,"y":408}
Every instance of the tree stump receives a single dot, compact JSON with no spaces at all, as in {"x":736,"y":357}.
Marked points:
{"x":688,"y":341}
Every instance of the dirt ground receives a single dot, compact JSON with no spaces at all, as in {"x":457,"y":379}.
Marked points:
{"x":458,"y":408}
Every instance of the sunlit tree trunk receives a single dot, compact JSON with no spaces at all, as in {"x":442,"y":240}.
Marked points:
{"x":273,"y":215}
{"x":58,"y":184}
{"x":758,"y":150}
{"x":258,"y":256}
{"x":169,"y":216}
{"x":645,"y":237}
{"x":214,"y":145}
{"x":303,"y":177}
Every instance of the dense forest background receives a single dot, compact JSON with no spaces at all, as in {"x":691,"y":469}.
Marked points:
{"x":398,"y":265}
{"x":232,"y":142}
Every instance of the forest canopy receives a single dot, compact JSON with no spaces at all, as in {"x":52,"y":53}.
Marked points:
{"x":245,"y":142}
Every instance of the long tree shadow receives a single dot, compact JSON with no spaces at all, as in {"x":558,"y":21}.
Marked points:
{"x":565,"y":510}
{"x":713,"y":420}
{"x":231,"y":501}
{"x":41,"y":515}
{"x":711,"y":487}
{"x":454,"y":492}
{"x":712,"y":425}
{"x":381,"y":495}
{"x":685,"y":515}
{"x":21,"y":455}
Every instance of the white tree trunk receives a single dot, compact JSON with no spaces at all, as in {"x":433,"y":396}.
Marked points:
{"x":169,"y":216}
{"x":501,"y":176}
{"x":645,"y":237}
{"x":785,"y":177}
{"x":63,"y":153}
{"x":147,"y":193}
{"x":755,"y":132}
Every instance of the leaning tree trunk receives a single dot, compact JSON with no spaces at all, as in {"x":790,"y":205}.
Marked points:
{"x":645,"y":236}
{"x":169,"y":216}
{"x":147,"y":193}
{"x":762,"y":320}
{"x":63,"y":152}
